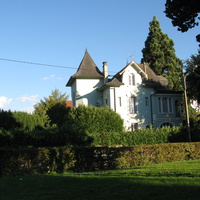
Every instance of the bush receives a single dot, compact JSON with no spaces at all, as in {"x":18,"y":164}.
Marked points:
{"x":18,"y":162}
{"x":87,"y":119}
{"x":12,"y":120}
{"x":138,"y":137}
{"x":147,"y":154}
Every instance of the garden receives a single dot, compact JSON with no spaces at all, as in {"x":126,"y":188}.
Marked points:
{"x":87,"y":154}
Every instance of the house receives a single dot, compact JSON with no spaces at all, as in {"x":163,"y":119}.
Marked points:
{"x":136,"y":93}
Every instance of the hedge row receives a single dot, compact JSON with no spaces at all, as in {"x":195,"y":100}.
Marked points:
{"x":18,"y":162}
{"x":64,"y":137}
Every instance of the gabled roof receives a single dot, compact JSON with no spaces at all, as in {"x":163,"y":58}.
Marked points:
{"x":87,"y":69}
{"x":153,"y":79}
{"x":137,"y":68}
{"x":148,"y":75}
{"x":150,"y":79}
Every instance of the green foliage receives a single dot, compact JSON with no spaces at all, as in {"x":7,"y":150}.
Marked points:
{"x":53,"y":108}
{"x":184,"y":14}
{"x":193,"y":77}
{"x":138,"y":137}
{"x":148,"y":154}
{"x":12,"y":120}
{"x":7,"y":121}
{"x":28,"y":121}
{"x":18,"y":162}
{"x":159,"y":53}
{"x":87,"y":119}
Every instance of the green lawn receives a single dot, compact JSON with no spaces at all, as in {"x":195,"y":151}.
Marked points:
{"x":178,"y":180}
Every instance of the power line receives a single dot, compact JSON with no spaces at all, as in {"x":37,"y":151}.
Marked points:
{"x":34,"y":63}
{"x":41,"y":64}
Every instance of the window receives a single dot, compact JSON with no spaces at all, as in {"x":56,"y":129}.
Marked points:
{"x":106,"y":102}
{"x":170,"y":104}
{"x":131,"y":79}
{"x":134,"y":126}
{"x":146,"y":101}
{"x":177,"y":108}
{"x":97,"y":104}
{"x":120,"y":101}
{"x":165,"y":105}
{"x":133,"y":105}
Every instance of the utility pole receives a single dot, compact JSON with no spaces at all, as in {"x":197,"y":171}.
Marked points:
{"x":186,"y":106}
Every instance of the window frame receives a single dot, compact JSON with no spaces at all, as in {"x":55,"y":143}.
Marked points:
{"x":134,"y":126}
{"x":131,"y":79}
{"x":133,"y":105}
{"x":165,"y":105}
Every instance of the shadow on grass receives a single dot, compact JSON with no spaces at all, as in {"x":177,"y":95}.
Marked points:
{"x":79,"y":187}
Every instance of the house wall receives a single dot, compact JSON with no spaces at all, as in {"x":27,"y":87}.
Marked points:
{"x":172,"y":117}
{"x":85,"y":92}
{"x":118,"y":99}
{"x":73,"y":93}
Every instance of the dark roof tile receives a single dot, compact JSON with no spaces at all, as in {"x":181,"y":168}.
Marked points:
{"x":87,"y":69}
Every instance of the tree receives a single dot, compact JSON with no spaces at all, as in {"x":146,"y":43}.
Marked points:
{"x":193,"y":77}
{"x":53,"y":108}
{"x":159,"y":53}
{"x":88,"y":119}
{"x":183,"y":14}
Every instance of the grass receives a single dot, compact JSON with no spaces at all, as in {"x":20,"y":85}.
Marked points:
{"x":177,"y":180}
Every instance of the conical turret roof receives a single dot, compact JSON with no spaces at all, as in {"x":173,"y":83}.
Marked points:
{"x":87,"y":69}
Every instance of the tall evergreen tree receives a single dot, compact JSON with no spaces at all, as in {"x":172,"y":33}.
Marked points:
{"x":159,"y":53}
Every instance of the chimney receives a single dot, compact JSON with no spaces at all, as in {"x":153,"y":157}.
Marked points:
{"x":145,"y":70}
{"x":105,"y":71}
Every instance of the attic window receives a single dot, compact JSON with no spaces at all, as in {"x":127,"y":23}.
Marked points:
{"x":131,"y":79}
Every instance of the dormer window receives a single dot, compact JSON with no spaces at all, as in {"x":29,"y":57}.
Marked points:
{"x":131,"y":79}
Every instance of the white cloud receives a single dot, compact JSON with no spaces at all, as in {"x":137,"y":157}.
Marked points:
{"x":25,"y":98}
{"x":48,"y":77}
{"x":4,"y":101}
{"x":28,"y":109}
{"x":52,"y":76}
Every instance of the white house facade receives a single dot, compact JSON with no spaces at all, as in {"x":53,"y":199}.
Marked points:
{"x":136,"y":93}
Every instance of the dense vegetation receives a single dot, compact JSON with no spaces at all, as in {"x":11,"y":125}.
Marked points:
{"x":29,"y":161}
{"x":184,"y":14}
{"x":159,"y":53}
{"x":84,"y":126}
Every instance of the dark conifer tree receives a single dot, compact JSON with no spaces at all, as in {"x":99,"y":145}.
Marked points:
{"x":159,"y":53}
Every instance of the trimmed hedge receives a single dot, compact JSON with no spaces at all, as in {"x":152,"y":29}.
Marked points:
{"x":18,"y":162}
{"x":138,"y":137}
{"x":12,"y":120}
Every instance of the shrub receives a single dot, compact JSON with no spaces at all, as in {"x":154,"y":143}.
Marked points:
{"x":94,"y":119}
{"x":12,"y":120}
{"x":15,"y":162}
{"x":147,"y":154}
{"x":138,"y":137}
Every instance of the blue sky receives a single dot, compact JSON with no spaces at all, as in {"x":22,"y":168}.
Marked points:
{"x":57,"y":32}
